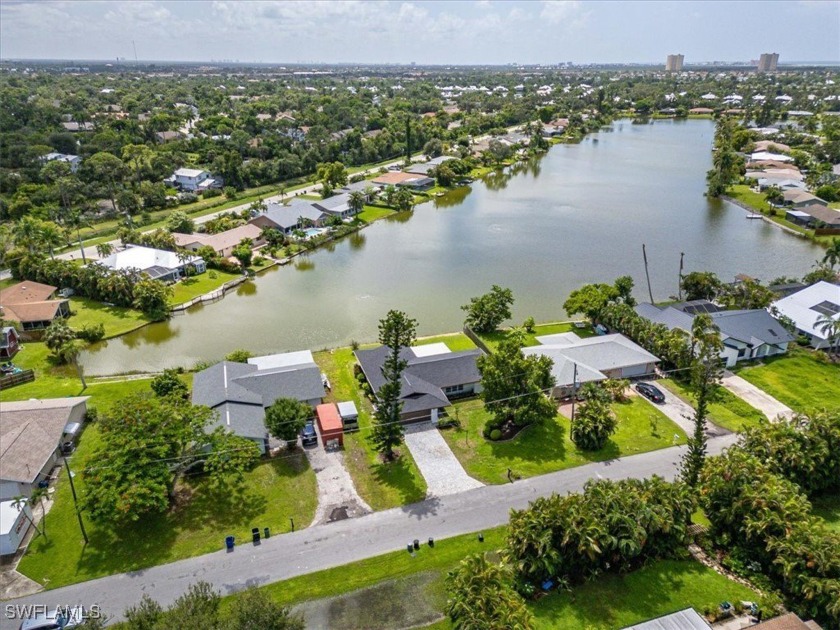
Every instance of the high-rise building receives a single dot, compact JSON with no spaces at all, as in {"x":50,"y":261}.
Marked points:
{"x":768,"y":62}
{"x":674,"y":63}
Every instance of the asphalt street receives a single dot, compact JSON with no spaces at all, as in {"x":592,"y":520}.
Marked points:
{"x":334,"y":544}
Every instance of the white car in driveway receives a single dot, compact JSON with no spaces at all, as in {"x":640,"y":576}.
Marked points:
{"x":59,"y":619}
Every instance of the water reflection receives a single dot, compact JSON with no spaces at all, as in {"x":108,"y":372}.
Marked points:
{"x":304,"y":263}
{"x":357,"y":240}
{"x":249,"y":287}
{"x":454,"y":197}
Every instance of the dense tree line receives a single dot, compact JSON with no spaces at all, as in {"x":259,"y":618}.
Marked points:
{"x":123,"y":287}
{"x":756,"y":497}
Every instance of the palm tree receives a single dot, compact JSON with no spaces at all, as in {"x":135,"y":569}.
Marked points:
{"x":403,"y":200}
{"x":28,"y":233}
{"x":77,"y":221}
{"x":356,"y":201}
{"x":830,"y":327}
{"x":104,"y":250}
{"x":19,"y":503}
{"x":51,"y":236}
{"x":832,"y":254}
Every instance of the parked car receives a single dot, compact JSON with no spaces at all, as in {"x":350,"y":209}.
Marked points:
{"x":651,"y":392}
{"x":58,"y":619}
{"x":308,"y":436}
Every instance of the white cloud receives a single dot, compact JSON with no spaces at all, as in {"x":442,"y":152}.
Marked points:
{"x":559,"y":11}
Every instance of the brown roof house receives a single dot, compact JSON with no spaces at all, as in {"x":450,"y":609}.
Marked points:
{"x":222,"y":243}
{"x":404,"y":180}
{"x":32,"y":304}
{"x":31,"y":436}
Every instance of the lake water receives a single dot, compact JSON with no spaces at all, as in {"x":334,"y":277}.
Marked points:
{"x":580,"y":214}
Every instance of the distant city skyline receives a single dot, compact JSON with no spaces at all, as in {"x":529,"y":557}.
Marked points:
{"x":446,"y":32}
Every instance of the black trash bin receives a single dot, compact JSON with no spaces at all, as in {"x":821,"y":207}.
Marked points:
{"x":266,"y":532}
{"x":255,"y":533}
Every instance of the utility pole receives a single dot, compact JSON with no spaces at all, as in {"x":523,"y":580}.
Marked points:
{"x":76,"y":501}
{"x":574,"y":391}
{"x":679,"y":284}
{"x":647,"y":275}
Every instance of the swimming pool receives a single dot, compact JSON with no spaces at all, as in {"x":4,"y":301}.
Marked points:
{"x":310,"y":232}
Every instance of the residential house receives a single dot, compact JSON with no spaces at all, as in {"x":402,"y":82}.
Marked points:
{"x":222,"y":243}
{"x":806,"y":308}
{"x":772,"y":146}
{"x":74,"y":161}
{"x":168,"y":136}
{"x":32,"y":304}
{"x":336,"y":206}
{"x":553,"y":131}
{"x":814,"y":215}
{"x":76,"y":127}
{"x":367,"y":187}
{"x":788,"y":621}
{"x":404,"y":180}
{"x":287,"y":218}
{"x":759,"y":156}
{"x":801,"y":198}
{"x":434,"y":375}
{"x":158,"y":264}
{"x":688,"y":619}
{"x":426,"y":167}
{"x":9,"y":342}
{"x":192,"y":179}
{"x":746,"y":334}
{"x":31,"y":435}
{"x":593,"y":359}
{"x":240,"y":392}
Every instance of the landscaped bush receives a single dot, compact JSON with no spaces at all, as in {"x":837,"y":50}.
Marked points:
{"x":611,"y":526}
{"x":495,"y":434}
{"x":91,"y":332}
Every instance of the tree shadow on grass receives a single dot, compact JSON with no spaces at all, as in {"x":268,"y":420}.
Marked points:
{"x":540,"y":443}
{"x":398,"y":476}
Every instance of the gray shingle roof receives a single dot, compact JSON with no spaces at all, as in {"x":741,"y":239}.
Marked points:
{"x":752,"y":326}
{"x":335,"y":204}
{"x":425,"y":377}
{"x":687,"y":619}
{"x":286,"y":217}
{"x":242,"y":420}
{"x":302,"y":382}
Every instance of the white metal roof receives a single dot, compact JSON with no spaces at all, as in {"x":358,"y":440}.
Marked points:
{"x":799,"y":306}
{"x":430,"y":349}
{"x":285,"y":359}
{"x":139,"y":257}
{"x":8,"y":516}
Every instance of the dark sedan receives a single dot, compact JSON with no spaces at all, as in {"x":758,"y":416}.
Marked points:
{"x":650,"y":392}
{"x":308,"y":436}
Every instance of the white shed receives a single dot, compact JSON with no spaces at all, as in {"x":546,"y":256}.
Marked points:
{"x":14,"y":523}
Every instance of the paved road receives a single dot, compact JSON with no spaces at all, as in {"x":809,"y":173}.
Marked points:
{"x":437,"y":463}
{"x":756,"y":397}
{"x":324,"y":546}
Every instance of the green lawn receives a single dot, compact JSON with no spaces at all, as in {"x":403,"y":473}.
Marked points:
{"x":799,"y":379}
{"x":492,"y":339}
{"x":190,"y":288}
{"x":728,"y":411}
{"x":269,"y":495}
{"x":381,"y":485}
{"x":617,"y":601}
{"x":548,"y":447}
{"x":117,"y":320}
{"x":828,"y":509}
{"x":454,"y":341}
{"x":373,"y":213}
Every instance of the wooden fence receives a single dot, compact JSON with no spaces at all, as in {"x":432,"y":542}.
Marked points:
{"x":11,"y":380}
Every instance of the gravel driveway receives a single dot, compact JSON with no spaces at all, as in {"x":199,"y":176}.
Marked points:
{"x":337,"y":496}
{"x":437,"y":463}
{"x":758,"y":398}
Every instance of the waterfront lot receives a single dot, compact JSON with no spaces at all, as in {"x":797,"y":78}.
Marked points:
{"x":494,"y":338}
{"x":192,"y":287}
{"x":799,"y":379}
{"x":547,"y":447}
{"x":727,"y":410}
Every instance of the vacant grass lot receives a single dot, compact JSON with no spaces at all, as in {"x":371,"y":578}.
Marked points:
{"x":494,"y":338}
{"x":617,"y":601}
{"x":799,"y":379}
{"x":269,"y":495}
{"x":546,"y":448}
{"x":728,"y":411}
{"x":381,"y":485}
{"x":828,"y":509}
{"x":612,"y":602}
{"x":117,"y":320}
{"x":190,"y":288}
{"x":369,"y":214}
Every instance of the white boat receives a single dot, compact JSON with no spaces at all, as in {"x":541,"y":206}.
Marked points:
{"x":753,"y":215}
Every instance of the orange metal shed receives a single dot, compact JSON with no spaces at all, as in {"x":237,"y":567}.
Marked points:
{"x":329,"y":423}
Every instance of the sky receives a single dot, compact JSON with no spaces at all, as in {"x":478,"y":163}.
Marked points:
{"x":440,"y":32}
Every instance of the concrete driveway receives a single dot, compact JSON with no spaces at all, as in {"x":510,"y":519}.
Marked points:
{"x":682,"y":413}
{"x":337,"y":496}
{"x":758,"y":398}
{"x":440,"y":468}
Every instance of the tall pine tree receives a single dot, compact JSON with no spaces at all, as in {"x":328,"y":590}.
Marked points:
{"x":396,"y":331}
{"x":706,"y":372}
